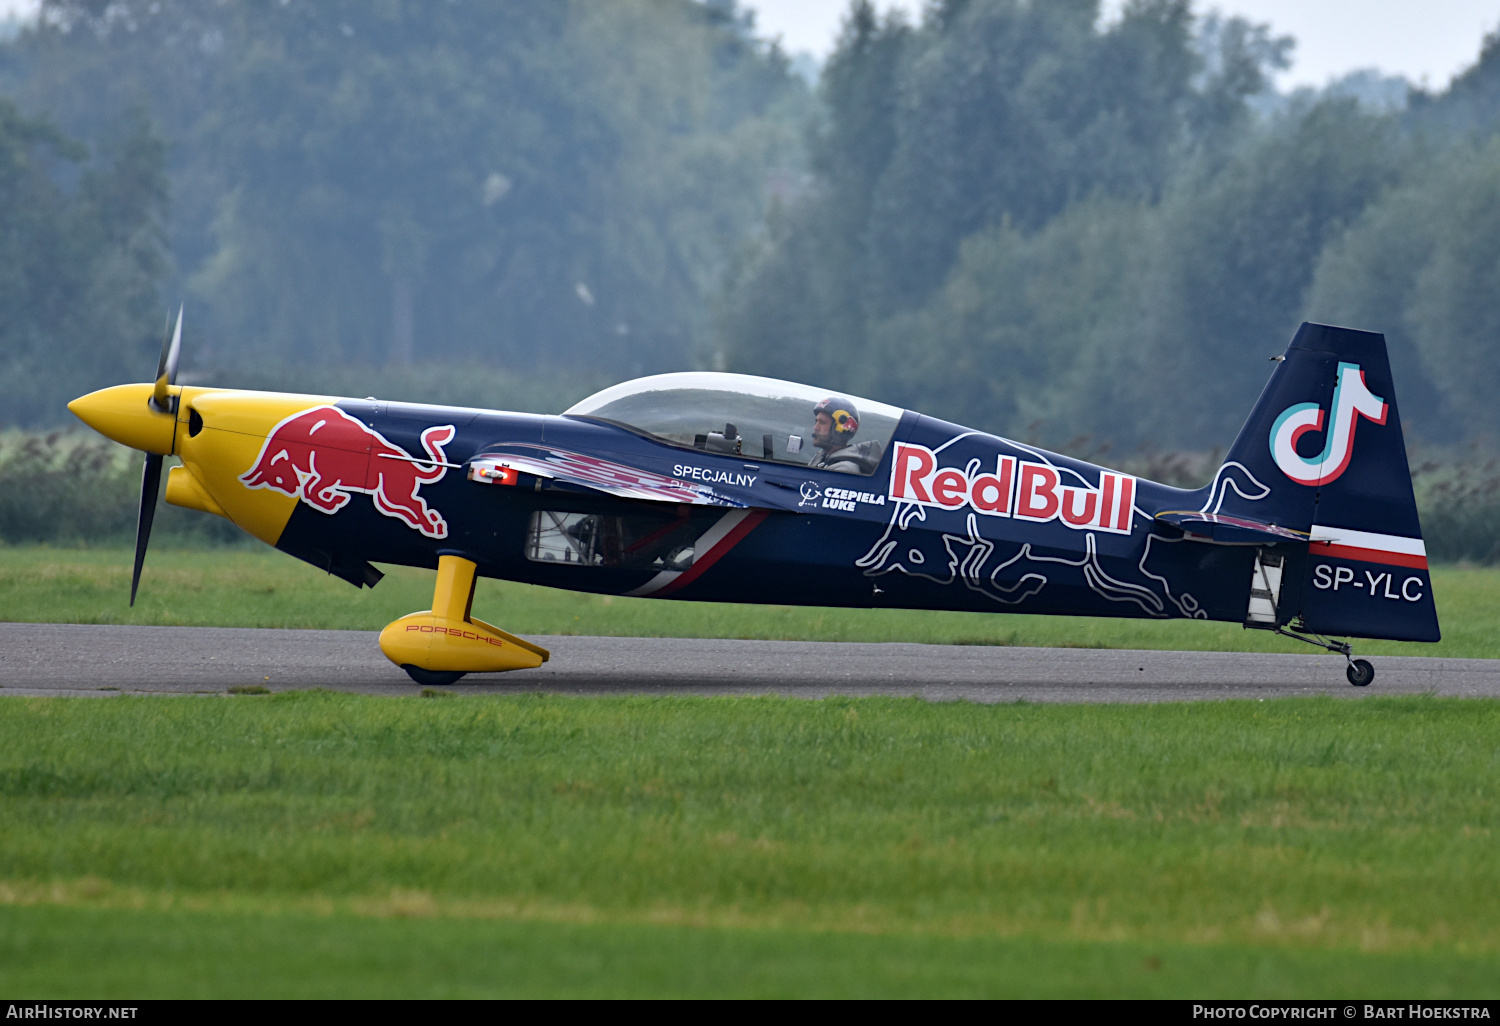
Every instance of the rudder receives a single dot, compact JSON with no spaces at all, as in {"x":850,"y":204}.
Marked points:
{"x":1325,"y":439}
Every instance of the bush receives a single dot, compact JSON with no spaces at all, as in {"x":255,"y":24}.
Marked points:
{"x":76,"y":488}
{"x":62,"y":487}
{"x":1460,"y":506}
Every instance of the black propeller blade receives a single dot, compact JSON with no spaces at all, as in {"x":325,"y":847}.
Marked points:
{"x":166,"y":368}
{"x":161,"y":401}
{"x":150,"y":485}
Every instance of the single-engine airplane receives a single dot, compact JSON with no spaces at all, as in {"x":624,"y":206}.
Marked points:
{"x":729,"y":488}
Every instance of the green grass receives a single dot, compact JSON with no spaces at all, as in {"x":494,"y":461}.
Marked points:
{"x":259,"y":587}
{"x":150,"y":954}
{"x":325,"y":844}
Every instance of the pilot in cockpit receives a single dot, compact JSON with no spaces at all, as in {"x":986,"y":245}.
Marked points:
{"x":835,"y":423}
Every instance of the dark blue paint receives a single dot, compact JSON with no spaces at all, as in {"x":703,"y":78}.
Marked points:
{"x":805,"y":554}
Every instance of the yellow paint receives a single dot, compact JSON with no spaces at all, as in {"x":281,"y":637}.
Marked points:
{"x":460,"y":646}
{"x":219,"y":434}
{"x":247,"y":413}
{"x":446,"y":639}
{"x":541,"y":653}
{"x":235,"y":426}
{"x":122,"y":413}
{"x":184,"y":490}
{"x":453,"y":596}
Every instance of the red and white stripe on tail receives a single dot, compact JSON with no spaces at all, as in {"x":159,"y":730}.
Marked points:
{"x":1368,"y":547}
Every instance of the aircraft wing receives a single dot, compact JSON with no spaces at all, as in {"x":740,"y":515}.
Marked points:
{"x":594,"y":474}
{"x":1228,"y":530}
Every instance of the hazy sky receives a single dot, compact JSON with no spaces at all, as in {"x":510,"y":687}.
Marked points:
{"x":1430,"y":39}
{"x":1421,"y":39}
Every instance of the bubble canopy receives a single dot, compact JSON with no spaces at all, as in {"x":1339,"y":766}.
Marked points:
{"x":737,"y":414}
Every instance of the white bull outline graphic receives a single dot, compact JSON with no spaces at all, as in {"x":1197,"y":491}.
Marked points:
{"x":968,"y":555}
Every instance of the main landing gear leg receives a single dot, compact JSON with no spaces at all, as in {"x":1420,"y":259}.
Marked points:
{"x":439,"y":645}
{"x":1359,"y":672}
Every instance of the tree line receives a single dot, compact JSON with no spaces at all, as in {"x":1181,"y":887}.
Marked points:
{"x":1015,"y":214}
{"x":1031,"y":220}
{"x":551,"y":187}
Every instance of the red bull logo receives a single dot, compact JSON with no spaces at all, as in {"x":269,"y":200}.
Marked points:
{"x":322,"y":455}
{"x":1016,"y":488}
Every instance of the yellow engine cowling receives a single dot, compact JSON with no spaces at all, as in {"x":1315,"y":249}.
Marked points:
{"x":220,"y":433}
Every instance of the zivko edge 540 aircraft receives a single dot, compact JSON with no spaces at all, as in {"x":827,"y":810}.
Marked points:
{"x":729,"y":488}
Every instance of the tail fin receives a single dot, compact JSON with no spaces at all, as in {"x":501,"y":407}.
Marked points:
{"x":1297,"y":464}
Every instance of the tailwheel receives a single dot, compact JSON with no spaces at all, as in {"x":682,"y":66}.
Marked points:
{"x":1360,"y":672}
{"x":432,"y":678}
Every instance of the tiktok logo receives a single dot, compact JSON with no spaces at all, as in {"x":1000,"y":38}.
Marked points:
{"x":1352,"y":399}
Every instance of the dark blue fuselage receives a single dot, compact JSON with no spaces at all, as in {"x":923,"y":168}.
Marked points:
{"x":768,"y":532}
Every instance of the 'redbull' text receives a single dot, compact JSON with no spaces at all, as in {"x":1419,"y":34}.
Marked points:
{"x":1016,"y":488}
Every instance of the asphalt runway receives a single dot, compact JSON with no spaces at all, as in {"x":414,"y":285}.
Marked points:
{"x":72,"y":659}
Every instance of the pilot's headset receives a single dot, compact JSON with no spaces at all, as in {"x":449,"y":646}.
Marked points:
{"x":845,"y":417}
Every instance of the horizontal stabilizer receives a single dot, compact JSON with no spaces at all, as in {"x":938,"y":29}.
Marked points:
{"x":1223,"y":529}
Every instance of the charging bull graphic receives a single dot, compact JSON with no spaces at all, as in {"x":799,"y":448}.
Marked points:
{"x":1352,"y":399}
{"x":322,"y":455}
{"x":1024,"y":573}
{"x":1010,"y":573}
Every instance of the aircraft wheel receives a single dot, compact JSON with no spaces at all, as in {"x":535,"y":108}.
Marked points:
{"x":442,"y":678}
{"x":1360,"y":673}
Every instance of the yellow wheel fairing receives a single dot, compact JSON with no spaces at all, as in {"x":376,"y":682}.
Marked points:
{"x":462,"y":646}
{"x":234,"y":428}
{"x":541,"y":653}
{"x":447,"y":639}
